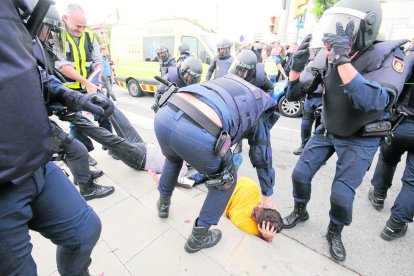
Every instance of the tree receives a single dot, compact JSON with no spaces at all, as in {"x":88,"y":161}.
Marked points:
{"x":319,"y":6}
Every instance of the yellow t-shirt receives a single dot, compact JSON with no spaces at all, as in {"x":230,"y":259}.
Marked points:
{"x":245,"y":197}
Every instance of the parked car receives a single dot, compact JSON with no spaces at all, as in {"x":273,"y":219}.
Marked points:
{"x":286,"y":108}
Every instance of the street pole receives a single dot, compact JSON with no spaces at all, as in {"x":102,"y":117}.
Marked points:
{"x":285,"y":20}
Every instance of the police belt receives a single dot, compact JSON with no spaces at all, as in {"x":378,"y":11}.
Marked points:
{"x":195,"y":115}
{"x":314,"y":95}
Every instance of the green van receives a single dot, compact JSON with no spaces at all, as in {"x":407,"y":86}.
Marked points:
{"x":134,"y":56}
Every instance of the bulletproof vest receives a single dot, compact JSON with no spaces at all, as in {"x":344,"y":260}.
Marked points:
{"x":384,"y":64}
{"x":174,"y":76}
{"x":406,"y":100}
{"x":164,"y":65}
{"x":223,"y":66}
{"x":245,"y":101}
{"x":25,"y":141}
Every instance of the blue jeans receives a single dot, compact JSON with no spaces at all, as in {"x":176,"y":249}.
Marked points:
{"x":390,"y":156}
{"x":181,"y":139}
{"x":49,"y":204}
{"x":355,"y":155}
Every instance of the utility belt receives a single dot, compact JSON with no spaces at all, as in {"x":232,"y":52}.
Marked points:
{"x":225,"y":179}
{"x":377,"y":129}
{"x":60,"y":140}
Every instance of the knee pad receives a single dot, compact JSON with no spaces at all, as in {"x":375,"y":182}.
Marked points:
{"x":341,"y":208}
{"x":301,"y":183}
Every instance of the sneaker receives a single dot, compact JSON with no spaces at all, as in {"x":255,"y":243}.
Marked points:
{"x":96,"y":191}
{"x":92,"y":162}
{"x":185,"y":182}
{"x":299,"y":150}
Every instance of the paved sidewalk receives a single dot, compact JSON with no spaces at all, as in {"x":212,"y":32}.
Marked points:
{"x":134,"y":241}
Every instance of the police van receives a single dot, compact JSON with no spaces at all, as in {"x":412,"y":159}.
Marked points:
{"x":133,"y":50}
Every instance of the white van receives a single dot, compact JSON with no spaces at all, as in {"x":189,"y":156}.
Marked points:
{"x":134,"y":56}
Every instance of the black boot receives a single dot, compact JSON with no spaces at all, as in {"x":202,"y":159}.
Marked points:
{"x":299,"y":214}
{"x":163,"y":206}
{"x":394,"y":229}
{"x":94,"y":174}
{"x":299,"y":150}
{"x":336,"y":248}
{"x":92,"y":190}
{"x":202,"y":237}
{"x":377,"y":198}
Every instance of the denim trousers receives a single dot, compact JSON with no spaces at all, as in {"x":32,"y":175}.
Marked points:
{"x":49,"y":204}
{"x":182,"y":139}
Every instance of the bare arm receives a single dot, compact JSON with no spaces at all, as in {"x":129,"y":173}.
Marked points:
{"x":347,"y":72}
{"x":71,"y":73}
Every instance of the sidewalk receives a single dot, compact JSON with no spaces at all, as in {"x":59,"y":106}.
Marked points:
{"x":134,"y":241}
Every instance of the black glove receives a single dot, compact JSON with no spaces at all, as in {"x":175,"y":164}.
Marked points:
{"x":95,"y":103}
{"x":340,"y":43}
{"x":301,"y":56}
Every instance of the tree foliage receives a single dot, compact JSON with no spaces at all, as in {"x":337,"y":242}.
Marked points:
{"x":319,"y":6}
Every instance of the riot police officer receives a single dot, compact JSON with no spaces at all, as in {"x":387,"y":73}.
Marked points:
{"x":402,"y":212}
{"x":187,"y":73}
{"x":184,"y":50}
{"x":198,"y":124}
{"x":245,"y":65}
{"x":222,"y":61}
{"x":360,"y":83}
{"x":165,"y":59}
{"x":35,"y":194}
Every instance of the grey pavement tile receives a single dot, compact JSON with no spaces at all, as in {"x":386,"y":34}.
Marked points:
{"x":44,"y":254}
{"x":166,"y":256}
{"x":105,"y":262}
{"x":128,"y":227}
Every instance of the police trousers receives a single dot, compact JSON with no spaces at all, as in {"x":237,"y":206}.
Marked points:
{"x":49,"y":204}
{"x":355,"y":155}
{"x":308,"y":118}
{"x":390,"y":156}
{"x":181,"y":139}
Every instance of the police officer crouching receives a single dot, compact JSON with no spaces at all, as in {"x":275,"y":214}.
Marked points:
{"x":198,"y":124}
{"x":361,"y":82}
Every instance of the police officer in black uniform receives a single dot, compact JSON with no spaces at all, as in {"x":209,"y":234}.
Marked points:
{"x":165,"y":59}
{"x":222,"y":61}
{"x":360,"y":84}
{"x":67,"y":148}
{"x":189,"y":72}
{"x":198,"y":124}
{"x":184,"y":50}
{"x":402,"y":212}
{"x":245,"y":65}
{"x":34,"y":193}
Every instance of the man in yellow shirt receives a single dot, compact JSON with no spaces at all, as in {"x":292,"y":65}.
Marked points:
{"x":244,"y":209}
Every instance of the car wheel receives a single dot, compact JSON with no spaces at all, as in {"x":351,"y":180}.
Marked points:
{"x":290,"y":109}
{"x":134,"y":89}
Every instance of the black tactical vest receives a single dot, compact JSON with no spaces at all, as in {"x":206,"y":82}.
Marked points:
{"x":377,"y":64}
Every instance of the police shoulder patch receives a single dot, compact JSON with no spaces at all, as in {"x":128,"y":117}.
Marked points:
{"x":398,"y":65}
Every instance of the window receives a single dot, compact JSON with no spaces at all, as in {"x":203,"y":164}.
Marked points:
{"x":196,"y":48}
{"x":150,"y":46}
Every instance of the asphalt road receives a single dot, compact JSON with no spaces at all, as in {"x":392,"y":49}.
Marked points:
{"x":367,"y":253}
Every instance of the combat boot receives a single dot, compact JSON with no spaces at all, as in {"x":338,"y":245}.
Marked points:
{"x":393,"y":229}
{"x":298,"y":214}
{"x":299,"y":150}
{"x":201,"y":237}
{"x":94,"y":174}
{"x":163,"y":206}
{"x":336,"y":248}
{"x":377,"y":198}
{"x":91,"y":190}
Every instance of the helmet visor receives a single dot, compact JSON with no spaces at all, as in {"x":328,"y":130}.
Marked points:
{"x":191,"y":77}
{"x":240,"y":69}
{"x":327,"y":24}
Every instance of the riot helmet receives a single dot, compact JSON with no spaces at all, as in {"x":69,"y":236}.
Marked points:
{"x":244,"y":65}
{"x":162,"y":52}
{"x":184,"y":48}
{"x":223,"y":47}
{"x":366,"y":15}
{"x":190,"y":70}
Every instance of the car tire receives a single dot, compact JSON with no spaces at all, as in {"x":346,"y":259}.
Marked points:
{"x":134,"y":89}
{"x":290,"y":109}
